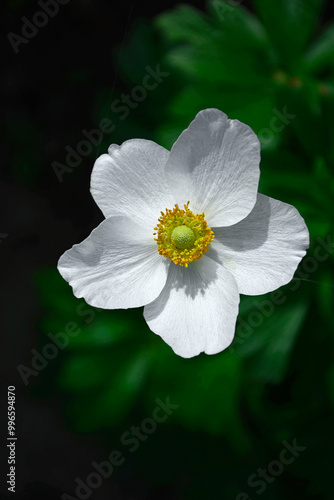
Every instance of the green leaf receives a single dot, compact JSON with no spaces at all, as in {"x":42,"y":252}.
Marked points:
{"x":104,"y":387}
{"x":198,"y":384}
{"x":185,"y":23}
{"x":321,"y":53}
{"x":82,"y":372}
{"x":238,"y":24}
{"x":200,"y":95}
{"x":328,"y":132}
{"x":266,"y":335}
{"x":325,"y":295}
{"x":219,"y":65}
{"x":105,"y":331}
{"x":309,"y":187}
{"x":206,"y":52}
{"x":295,"y":185}
{"x":303,"y":103}
{"x":289,"y":24}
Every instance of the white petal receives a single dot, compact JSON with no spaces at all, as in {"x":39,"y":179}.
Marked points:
{"x":197,"y":309}
{"x":130,"y":181}
{"x":215,"y":165}
{"x":263,"y":250}
{"x":116,"y":267}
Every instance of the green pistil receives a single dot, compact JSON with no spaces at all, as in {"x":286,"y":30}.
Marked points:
{"x":183,"y":237}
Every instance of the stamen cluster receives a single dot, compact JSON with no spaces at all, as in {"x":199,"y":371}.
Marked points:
{"x":173,"y":218}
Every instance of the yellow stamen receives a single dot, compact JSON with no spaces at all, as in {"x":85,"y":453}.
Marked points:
{"x":182,"y":236}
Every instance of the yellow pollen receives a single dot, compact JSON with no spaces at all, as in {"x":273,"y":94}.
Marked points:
{"x":182,"y":236}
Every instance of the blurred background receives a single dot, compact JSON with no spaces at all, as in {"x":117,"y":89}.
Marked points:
{"x":254,"y":420}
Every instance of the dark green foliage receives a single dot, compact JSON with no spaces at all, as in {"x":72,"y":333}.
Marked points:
{"x":274,"y":70}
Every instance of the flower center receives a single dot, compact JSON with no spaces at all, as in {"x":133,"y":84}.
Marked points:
{"x":182,"y":236}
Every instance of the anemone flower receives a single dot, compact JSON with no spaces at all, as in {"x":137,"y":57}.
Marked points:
{"x":185,"y":233}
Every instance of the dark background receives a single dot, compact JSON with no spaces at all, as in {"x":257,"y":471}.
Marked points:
{"x":49,"y":94}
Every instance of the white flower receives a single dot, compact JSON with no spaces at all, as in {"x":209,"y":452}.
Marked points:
{"x":234,"y":239}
